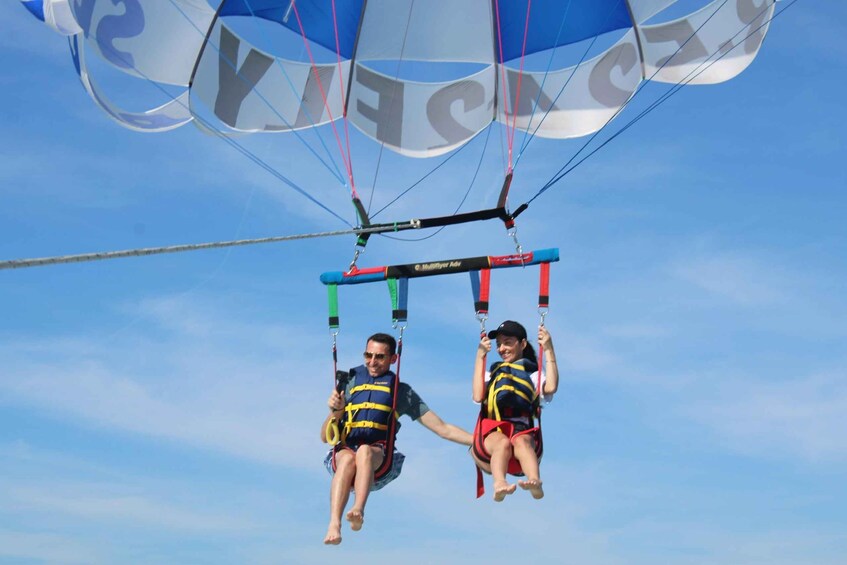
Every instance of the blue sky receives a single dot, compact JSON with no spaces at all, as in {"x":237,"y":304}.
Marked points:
{"x":166,"y":409}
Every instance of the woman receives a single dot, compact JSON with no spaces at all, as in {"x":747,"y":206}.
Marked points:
{"x":507,"y":438}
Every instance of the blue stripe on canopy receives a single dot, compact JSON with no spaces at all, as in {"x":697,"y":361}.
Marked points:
{"x":36,"y":7}
{"x":582,"y":19}
{"x":315,"y":15}
{"x":551,"y":22}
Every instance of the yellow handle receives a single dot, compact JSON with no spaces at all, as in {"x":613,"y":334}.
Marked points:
{"x":332,"y":433}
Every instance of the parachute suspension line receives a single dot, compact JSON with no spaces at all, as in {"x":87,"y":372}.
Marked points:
{"x":341,"y":92}
{"x":562,"y":171}
{"x":363,"y":212}
{"x":561,"y":90}
{"x":694,"y":73}
{"x":503,"y":84}
{"x":391,"y":109}
{"x":464,"y":198}
{"x":511,"y":127}
{"x":670,"y":92}
{"x":234,"y":144}
{"x":303,"y":107}
{"x":345,"y":158}
{"x":232,"y":64}
{"x":508,"y":220}
{"x":261,"y":163}
{"x":566,"y":168}
{"x":441,"y":164}
{"x":517,"y":105}
{"x":524,"y":141}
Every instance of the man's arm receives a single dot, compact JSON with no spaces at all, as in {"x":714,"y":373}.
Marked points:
{"x":432,"y":422}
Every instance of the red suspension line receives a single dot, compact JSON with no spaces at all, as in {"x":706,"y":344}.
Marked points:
{"x":344,"y":158}
{"x":341,"y":91}
{"x":520,"y":77}
{"x":503,"y":81}
{"x":511,"y":125}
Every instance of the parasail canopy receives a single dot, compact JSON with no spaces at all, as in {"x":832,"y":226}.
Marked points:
{"x":419,"y":78}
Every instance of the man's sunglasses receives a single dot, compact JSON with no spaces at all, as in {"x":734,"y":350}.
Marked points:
{"x":378,"y":356}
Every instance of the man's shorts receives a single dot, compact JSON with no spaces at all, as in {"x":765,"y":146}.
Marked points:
{"x":390,"y":475}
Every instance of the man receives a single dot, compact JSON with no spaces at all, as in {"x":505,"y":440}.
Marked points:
{"x":367,"y":423}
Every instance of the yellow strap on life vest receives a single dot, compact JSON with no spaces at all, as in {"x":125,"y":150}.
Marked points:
{"x":381,"y":388}
{"x":366,"y":424}
{"x":370,"y":406}
{"x":493,"y":409}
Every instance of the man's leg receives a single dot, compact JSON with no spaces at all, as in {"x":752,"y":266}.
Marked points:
{"x":339,"y":493}
{"x":368,"y":458}
{"x":500,"y":448}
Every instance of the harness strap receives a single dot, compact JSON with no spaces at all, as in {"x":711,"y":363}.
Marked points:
{"x":399,"y":291}
{"x":369,"y":425}
{"x":368,"y":406}
{"x":333,"y":435}
{"x":360,"y":388}
{"x":388,"y":460}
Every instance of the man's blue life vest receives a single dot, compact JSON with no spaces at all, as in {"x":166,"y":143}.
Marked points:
{"x":369,"y":413}
{"x":510,"y":390}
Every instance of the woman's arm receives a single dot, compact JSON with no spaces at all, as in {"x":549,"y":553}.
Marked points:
{"x":479,"y":369}
{"x":551,"y":380}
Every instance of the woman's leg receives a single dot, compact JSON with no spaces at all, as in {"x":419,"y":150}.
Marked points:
{"x":500,"y":448}
{"x":524,"y":450}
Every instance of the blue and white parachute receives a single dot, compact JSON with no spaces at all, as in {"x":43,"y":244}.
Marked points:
{"x":189,"y":43}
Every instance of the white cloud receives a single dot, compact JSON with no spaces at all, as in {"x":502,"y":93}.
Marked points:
{"x":636,"y":331}
{"x":741,"y":280}
{"x":208,"y":383}
{"x":46,"y":547}
{"x":799,"y":418}
{"x":132,"y":509}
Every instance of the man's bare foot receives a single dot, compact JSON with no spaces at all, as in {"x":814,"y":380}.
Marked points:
{"x":501,"y":490}
{"x":333,"y":535}
{"x":356,"y":519}
{"x":534,"y":487}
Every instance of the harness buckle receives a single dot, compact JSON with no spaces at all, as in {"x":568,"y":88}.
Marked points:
{"x":481,"y":318}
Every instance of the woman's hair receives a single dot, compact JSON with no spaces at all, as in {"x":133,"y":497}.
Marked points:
{"x":529,"y":353}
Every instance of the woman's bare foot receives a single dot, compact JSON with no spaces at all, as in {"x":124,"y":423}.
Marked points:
{"x":534,"y":487}
{"x":356,"y":519}
{"x":333,"y":535}
{"x":501,"y":490}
